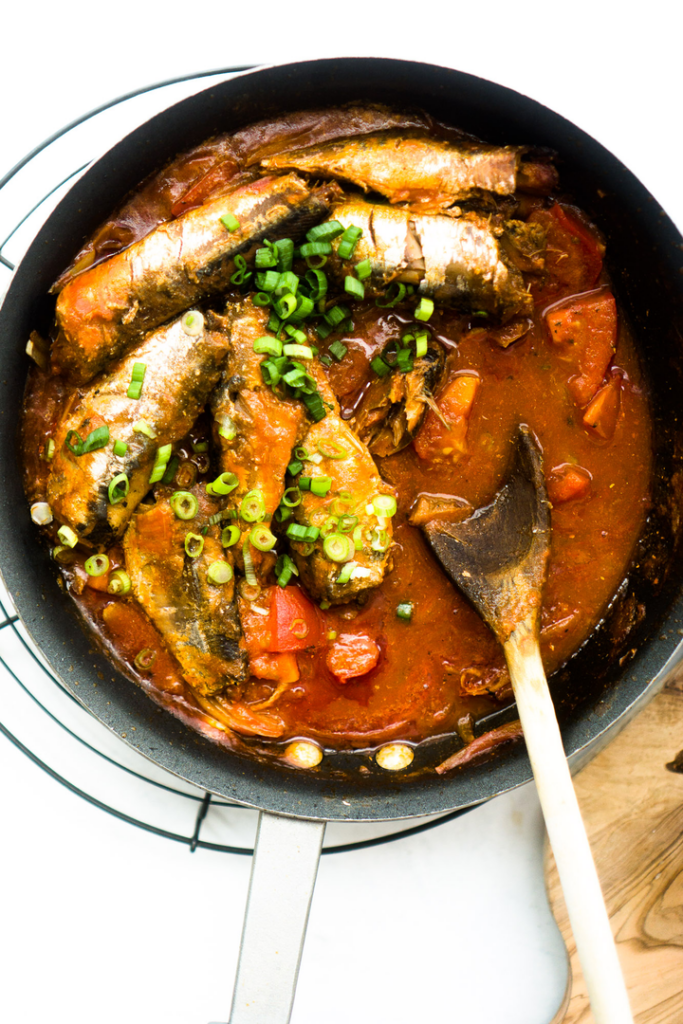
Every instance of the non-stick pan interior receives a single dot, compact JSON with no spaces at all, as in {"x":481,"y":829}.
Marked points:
{"x":645,"y":254}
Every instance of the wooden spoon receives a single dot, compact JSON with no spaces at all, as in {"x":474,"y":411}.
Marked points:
{"x":499,"y":558}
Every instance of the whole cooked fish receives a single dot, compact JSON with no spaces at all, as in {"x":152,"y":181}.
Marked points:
{"x":254,"y":430}
{"x":393,"y":407}
{"x":104,"y":310}
{"x":418,"y":169}
{"x":463,"y":262}
{"x":181,"y":370}
{"x":347,"y":508}
{"x":197,"y":619}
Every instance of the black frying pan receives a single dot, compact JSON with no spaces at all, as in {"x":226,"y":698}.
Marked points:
{"x":612,"y":675}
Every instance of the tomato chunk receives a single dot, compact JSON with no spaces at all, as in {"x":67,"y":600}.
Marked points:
{"x":439,"y":443}
{"x":585,"y":330}
{"x":294,"y":620}
{"x":601,"y":416}
{"x":568,"y":483}
{"x":573,"y":258}
{"x":352,"y":655}
{"x":281,"y":667}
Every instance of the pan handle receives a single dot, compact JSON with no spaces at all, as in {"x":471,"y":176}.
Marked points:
{"x":283,"y":876}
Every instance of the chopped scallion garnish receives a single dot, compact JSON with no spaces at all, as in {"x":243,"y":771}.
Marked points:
{"x":320,"y":485}
{"x":337,"y":350}
{"x":349,"y":241}
{"x":119,"y":583}
{"x":380,"y":367}
{"x":405,"y":610}
{"x":424,"y":309}
{"x":143,"y":427}
{"x":325,"y":232}
{"x":363,"y":269}
{"x":67,"y":536}
{"x":337,"y":547}
{"x":118,"y":488}
{"x":223,"y":484}
{"x":252,"y":507}
{"x":384,"y":505}
{"x":285,"y":568}
{"x":120,"y":448}
{"x":96,"y":565}
{"x":230,"y":535}
{"x":262,"y":538}
{"x":230,"y":222}
{"x":219,"y":572}
{"x":354,"y":287}
{"x":194,"y":545}
{"x":184,"y":504}
{"x":298,"y":351}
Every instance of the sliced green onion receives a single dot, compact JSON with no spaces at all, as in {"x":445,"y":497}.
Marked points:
{"x":405,"y":610}
{"x":265,"y":258}
{"x":293,"y":501}
{"x":320,"y":485}
{"x":262,"y":538}
{"x":307,"y":549}
{"x":358,"y":538}
{"x":424,"y":309}
{"x":295,"y":531}
{"x":363,"y":269}
{"x":325,"y":232}
{"x":342,"y":503}
{"x":295,"y":467}
{"x":96,"y":565}
{"x":305,"y":483}
{"x":345,"y":575}
{"x":285,"y":251}
{"x":304,"y":307}
{"x":145,"y":658}
{"x":317,"y":282}
{"x":249,"y":572}
{"x":283,"y":513}
{"x":200,"y":446}
{"x":227,"y":429}
{"x":218,"y":517}
{"x":171,"y":470}
{"x":223,"y":484}
{"x":139,"y":371}
{"x":316,"y":262}
{"x":230,"y":222}
{"x":119,"y":583}
{"x":380,"y":367}
{"x":296,"y":335}
{"x":63,"y":555}
{"x":309,"y":249}
{"x":312,"y":533}
{"x":252,"y":507}
{"x":336,"y":315}
{"x":268,"y":346}
{"x":242,"y":273}
{"x":269,"y":281}
{"x":160,"y":462}
{"x":421,"y":344}
{"x":67,"y":536}
{"x":349,"y":241}
{"x":314,"y":404}
{"x":230,"y":535}
{"x":184,"y":504}
{"x":285,"y":568}
{"x":220,"y":572}
{"x":323,"y":330}
{"x":354,"y":287}
{"x":134,"y":389}
{"x":49,"y":450}
{"x":331,"y":525}
{"x":337,"y":547}
{"x":194,"y":545}
{"x":288,"y":284}
{"x":338,"y":350}
{"x":404,"y":360}
{"x":120,"y":448}
{"x":347,"y":523}
{"x":379,"y":539}
{"x":384,"y":504}
{"x":261,"y":299}
{"x":298,"y":351}
{"x":270,"y":373}
{"x":331,"y":450}
{"x":285,"y":306}
{"x":118,"y":488}
{"x":394,"y":294}
{"x":143,"y":427}
{"x":97,"y":438}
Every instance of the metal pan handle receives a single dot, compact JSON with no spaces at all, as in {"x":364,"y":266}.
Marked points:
{"x":283,"y":876}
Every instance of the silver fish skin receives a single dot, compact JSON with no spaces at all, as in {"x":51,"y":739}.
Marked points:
{"x":460,"y":262}
{"x":181,"y":371}
{"x":106,"y":309}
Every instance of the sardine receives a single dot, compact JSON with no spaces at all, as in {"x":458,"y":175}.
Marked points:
{"x":181,"y":371}
{"x":461,"y":262}
{"x":104,"y":310}
{"x":197,"y":619}
{"x":254,"y":430}
{"x":393,"y":408}
{"x":355,"y":483}
{"x":416,"y":169}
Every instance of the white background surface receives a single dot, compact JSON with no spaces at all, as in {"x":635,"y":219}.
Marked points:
{"x":103,"y":923}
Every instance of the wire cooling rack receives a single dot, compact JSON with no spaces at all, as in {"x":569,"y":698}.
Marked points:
{"x":39,"y":713}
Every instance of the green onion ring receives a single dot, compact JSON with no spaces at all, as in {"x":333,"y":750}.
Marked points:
{"x":194,"y":545}
{"x":184,"y":504}
{"x":96,"y":565}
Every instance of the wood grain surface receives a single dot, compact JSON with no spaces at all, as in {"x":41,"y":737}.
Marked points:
{"x":631,"y":796}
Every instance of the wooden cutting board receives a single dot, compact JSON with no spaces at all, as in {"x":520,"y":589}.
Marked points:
{"x":631,"y":797}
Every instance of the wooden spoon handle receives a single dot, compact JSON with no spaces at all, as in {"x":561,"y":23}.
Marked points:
{"x":566,"y":831}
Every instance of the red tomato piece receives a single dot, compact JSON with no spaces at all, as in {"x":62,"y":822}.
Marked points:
{"x":573,"y":258}
{"x":585,"y":329}
{"x":601,"y":416}
{"x":437,"y":443}
{"x":352,"y":655}
{"x":568,"y":483}
{"x":294,"y":620}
